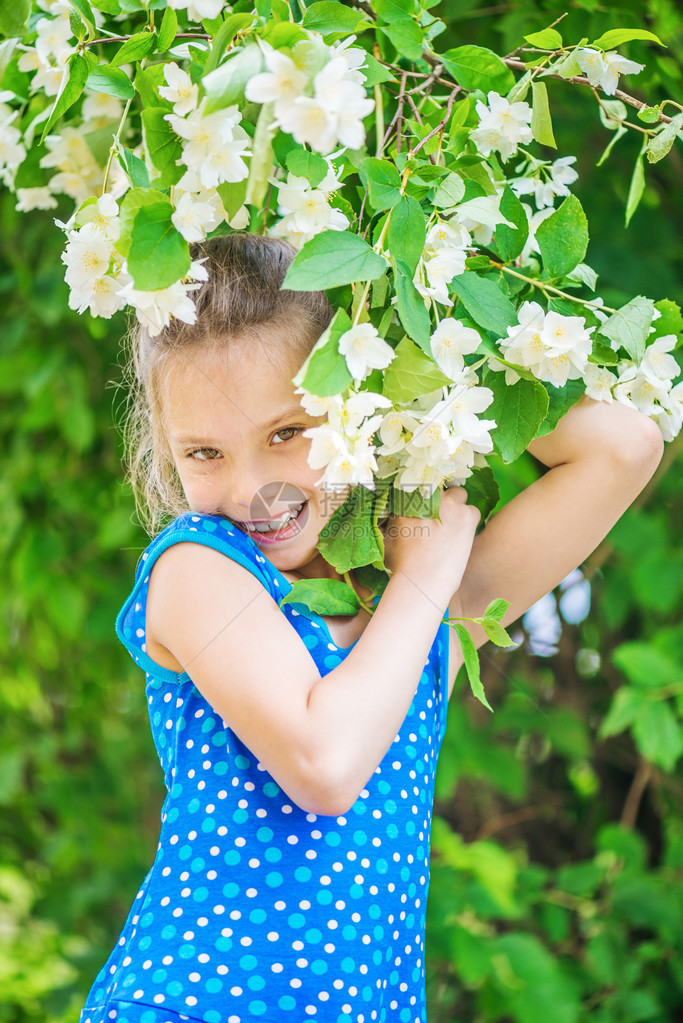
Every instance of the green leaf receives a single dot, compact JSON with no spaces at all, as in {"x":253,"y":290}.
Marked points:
{"x":411,"y":307}
{"x":411,"y":373}
{"x":630,"y":326}
{"x":670,"y":321}
{"x":167,"y":30}
{"x":658,"y":735}
{"x":134,"y":167}
{"x":560,"y":400}
{"x":414,"y":502}
{"x":136,"y":48}
{"x":111,"y":81}
{"x":625,"y":707}
{"x":510,"y":241}
{"x":547,"y":39}
{"x":333,"y":258}
{"x":496,"y":633}
{"x":85,"y":11}
{"x":518,"y":410}
{"x":352,"y":537}
{"x":225,"y":85}
{"x":159,"y":256}
{"x":650,"y":115}
{"x":617,"y":36}
{"x":449,"y":191}
{"x":325,"y":371}
{"x":375,"y":73}
{"x":261,"y":163}
{"x":482,"y":490}
{"x":541,"y":122}
{"x":407,"y":37}
{"x":327,"y":17}
{"x":233,"y":194}
{"x":471,"y":659}
{"x":563,"y":238}
{"x":163,"y":145}
{"x":307,"y":165}
{"x":14,"y":18}
{"x":390,"y":11}
{"x":497,"y":609}
{"x":636,"y":188}
{"x":485,"y":302}
{"x":79,"y":69}
{"x":407,"y":231}
{"x":382,"y":181}
{"x":134,"y":200}
{"x":475,"y":67}
{"x":646,"y":666}
{"x":323,"y":596}
{"x":232,"y":25}
{"x":660,"y":144}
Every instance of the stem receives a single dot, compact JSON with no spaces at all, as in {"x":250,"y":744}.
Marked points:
{"x":366,"y":607}
{"x":115,"y":144}
{"x":124,"y":39}
{"x":548,"y":287}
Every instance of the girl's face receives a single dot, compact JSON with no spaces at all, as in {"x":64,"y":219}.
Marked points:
{"x":234,"y":428}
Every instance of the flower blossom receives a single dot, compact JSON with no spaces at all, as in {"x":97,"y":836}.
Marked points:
{"x":450,"y":342}
{"x":155,"y":309}
{"x":332,"y":114}
{"x":197,"y":10}
{"x":547,"y":181}
{"x":603,"y":69}
{"x":40,"y":198}
{"x":364,"y":350}
{"x":344,"y":445}
{"x":443,"y":259}
{"x":599,"y":382}
{"x":553,"y":347}
{"x":12,"y":149}
{"x":179,"y":89}
{"x":215,"y":144}
{"x":502,"y":126}
{"x":307,"y":211}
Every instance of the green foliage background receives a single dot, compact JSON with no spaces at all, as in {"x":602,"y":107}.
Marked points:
{"x":557,"y":888}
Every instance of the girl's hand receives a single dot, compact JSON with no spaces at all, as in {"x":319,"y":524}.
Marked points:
{"x":433,"y":553}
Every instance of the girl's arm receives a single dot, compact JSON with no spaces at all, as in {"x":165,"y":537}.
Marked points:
{"x":321,"y":739}
{"x":600,"y":457}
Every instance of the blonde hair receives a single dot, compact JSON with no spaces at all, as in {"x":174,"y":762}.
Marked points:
{"x":241,"y":297}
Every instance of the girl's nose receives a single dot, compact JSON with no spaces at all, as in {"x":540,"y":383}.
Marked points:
{"x":248,"y":482}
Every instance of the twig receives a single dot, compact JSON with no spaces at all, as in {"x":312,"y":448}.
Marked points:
{"x":582,"y":80}
{"x":124,"y":39}
{"x":640,"y":782}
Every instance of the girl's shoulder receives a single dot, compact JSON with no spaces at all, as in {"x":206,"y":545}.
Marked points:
{"x":212,"y":531}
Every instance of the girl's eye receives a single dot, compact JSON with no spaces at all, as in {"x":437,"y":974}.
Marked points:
{"x":204,"y":454}
{"x":291,"y":430}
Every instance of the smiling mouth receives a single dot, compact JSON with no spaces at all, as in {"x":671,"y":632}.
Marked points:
{"x":281,"y":527}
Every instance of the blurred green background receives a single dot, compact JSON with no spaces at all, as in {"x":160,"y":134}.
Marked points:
{"x":557,"y":886}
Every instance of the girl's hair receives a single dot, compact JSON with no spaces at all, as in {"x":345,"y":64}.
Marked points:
{"x":241,"y":296}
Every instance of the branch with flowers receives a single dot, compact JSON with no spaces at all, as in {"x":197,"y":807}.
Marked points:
{"x":415,"y":186}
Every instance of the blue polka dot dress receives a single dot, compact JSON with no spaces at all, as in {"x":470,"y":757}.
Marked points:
{"x":255,"y":910}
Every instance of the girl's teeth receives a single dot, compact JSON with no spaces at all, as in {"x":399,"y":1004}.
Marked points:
{"x":274,"y":524}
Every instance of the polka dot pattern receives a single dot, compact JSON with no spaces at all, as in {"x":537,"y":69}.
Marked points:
{"x":253,"y":908}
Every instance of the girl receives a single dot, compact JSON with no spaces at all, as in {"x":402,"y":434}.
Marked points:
{"x":299,"y":752}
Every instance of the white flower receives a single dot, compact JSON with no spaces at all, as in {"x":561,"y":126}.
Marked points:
{"x":179,"y":89}
{"x":353,"y":56}
{"x":197,"y":10}
{"x":307,"y":210}
{"x":449,"y":342}
{"x":393,"y":430}
{"x":548,"y":181}
{"x":439,"y":270}
{"x":314,"y":405}
{"x":599,"y":382}
{"x":101,"y":216}
{"x":80,"y":176}
{"x":502,"y":126}
{"x":99,"y":110}
{"x":344,"y":444}
{"x":553,"y":347}
{"x":155,"y":309}
{"x":534,"y":221}
{"x":669,"y":416}
{"x":444,"y":235}
{"x":12,"y":153}
{"x":52,"y":39}
{"x":281,"y":84}
{"x":215,"y":144}
{"x":636,"y":389}
{"x":603,"y":69}
{"x":35,"y":199}
{"x":656,"y":365}
{"x":87,"y":256}
{"x":193,"y":217}
{"x":364,"y":350}
{"x":101,"y":297}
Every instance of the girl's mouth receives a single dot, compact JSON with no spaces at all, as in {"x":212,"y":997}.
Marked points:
{"x":282,"y":527}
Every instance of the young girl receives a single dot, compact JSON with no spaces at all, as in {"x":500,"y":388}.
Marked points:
{"x":299,"y":752}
